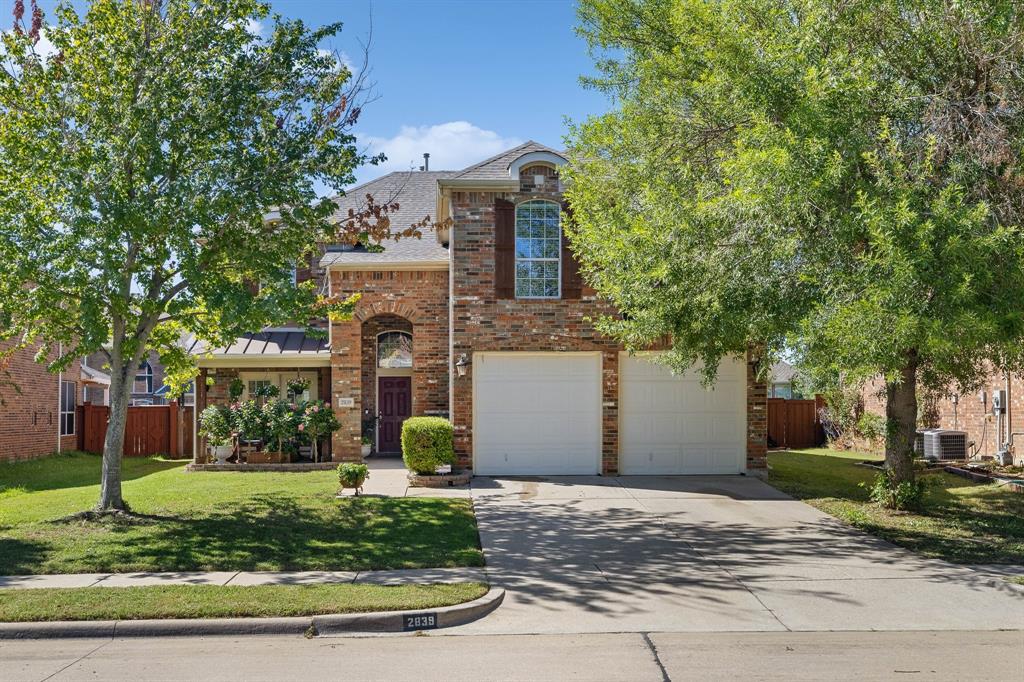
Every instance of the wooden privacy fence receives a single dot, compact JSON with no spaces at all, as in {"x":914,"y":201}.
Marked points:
{"x":793,"y":423}
{"x":149,"y":429}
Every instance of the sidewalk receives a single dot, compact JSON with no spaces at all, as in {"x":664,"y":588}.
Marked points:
{"x":414,"y":576}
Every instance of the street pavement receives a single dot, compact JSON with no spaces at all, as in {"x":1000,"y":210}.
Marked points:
{"x":629,"y":657}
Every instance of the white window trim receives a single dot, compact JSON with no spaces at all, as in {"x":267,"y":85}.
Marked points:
{"x":515,"y":236}
{"x":279,"y":379}
{"x":72,"y":411}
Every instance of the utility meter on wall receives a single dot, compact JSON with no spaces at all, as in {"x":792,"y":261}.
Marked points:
{"x":998,"y":402}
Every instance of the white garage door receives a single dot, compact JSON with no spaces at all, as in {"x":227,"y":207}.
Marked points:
{"x":673,"y":425}
{"x":536,"y":414}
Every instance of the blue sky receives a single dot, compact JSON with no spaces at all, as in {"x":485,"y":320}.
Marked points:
{"x":461,"y":79}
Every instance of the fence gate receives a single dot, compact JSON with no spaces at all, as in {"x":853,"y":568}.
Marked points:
{"x":149,"y":430}
{"x":793,"y":423}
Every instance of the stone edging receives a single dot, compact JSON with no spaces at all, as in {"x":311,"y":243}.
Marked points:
{"x":327,"y":625}
{"x":985,"y":477}
{"x":439,"y":480}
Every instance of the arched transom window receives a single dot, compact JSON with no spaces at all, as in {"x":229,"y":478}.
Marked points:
{"x":394,"y":350}
{"x":538,"y":250}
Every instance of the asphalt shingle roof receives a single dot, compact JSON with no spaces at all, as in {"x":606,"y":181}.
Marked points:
{"x":416,"y":194}
{"x":496,"y":167}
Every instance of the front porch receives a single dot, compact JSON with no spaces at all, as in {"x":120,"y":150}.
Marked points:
{"x":271,"y":360}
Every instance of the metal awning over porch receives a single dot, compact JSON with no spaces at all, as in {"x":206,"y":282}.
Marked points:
{"x":271,"y":347}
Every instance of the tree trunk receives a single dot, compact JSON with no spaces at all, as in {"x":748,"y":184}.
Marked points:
{"x":901,"y":421}
{"x":113,"y":443}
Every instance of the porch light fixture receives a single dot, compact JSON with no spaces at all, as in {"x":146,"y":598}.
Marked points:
{"x":461,"y":365}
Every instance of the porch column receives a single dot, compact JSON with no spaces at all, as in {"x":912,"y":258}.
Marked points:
{"x":346,"y":389}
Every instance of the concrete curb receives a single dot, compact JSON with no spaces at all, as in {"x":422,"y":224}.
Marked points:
{"x":409,"y":621}
{"x":385,"y":621}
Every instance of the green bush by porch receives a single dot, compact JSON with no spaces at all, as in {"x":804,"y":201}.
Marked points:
{"x":227,"y":521}
{"x":427,"y":443}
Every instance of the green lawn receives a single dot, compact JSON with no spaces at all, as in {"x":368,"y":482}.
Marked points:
{"x":219,"y":521}
{"x":208,"y":601}
{"x":962,"y":521}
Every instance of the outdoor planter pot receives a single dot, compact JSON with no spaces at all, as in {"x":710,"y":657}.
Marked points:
{"x":352,"y":475}
{"x":222,"y":453}
{"x":267,"y":457}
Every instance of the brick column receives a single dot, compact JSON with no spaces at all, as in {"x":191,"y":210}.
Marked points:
{"x":346,"y":389}
{"x":610,"y":413}
{"x":757,"y":420}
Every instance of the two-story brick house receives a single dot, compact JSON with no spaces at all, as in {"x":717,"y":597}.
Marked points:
{"x":489,"y":323}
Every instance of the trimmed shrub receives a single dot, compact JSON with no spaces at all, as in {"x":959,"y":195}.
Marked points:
{"x":427,"y":444}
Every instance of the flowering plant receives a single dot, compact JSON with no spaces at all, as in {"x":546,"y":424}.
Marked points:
{"x":281,"y":420}
{"x":318,"y":419}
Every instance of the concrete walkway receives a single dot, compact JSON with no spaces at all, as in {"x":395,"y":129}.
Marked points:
{"x":388,"y":479}
{"x":690,"y":554}
{"x":421,"y":576}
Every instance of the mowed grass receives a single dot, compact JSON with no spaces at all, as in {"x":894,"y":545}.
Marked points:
{"x":962,"y":521}
{"x":207,"y":521}
{"x":209,"y":601}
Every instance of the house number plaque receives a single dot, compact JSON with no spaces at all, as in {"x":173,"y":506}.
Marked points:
{"x":346,"y":402}
{"x":420,"y":621}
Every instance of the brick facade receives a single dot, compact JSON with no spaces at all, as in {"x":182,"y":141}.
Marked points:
{"x":30,"y":419}
{"x":482,"y":322}
{"x":416,"y":299}
{"x":970,"y":413}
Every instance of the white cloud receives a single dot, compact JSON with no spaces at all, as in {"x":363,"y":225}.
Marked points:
{"x":254,"y":27}
{"x":452,"y":146}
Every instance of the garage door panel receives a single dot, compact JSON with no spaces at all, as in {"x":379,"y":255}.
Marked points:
{"x":672,"y":424}
{"x":536,"y":414}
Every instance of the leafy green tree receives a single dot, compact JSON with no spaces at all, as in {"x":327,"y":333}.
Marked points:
{"x":157,"y":163}
{"x":843,"y":178}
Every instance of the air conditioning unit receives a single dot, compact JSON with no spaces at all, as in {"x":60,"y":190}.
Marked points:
{"x":942,"y":444}
{"x":919,"y":443}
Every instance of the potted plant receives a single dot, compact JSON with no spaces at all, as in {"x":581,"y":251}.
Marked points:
{"x":297,"y":387}
{"x":235,"y":389}
{"x":318,"y":420}
{"x":369,"y":429}
{"x":216,"y":427}
{"x":352,"y":475}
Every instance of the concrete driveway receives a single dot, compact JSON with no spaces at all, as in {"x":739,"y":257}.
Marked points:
{"x":686,"y":554}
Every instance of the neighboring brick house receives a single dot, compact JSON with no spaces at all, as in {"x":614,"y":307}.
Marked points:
{"x":39,"y":417}
{"x":489,"y":323}
{"x":971,"y":412}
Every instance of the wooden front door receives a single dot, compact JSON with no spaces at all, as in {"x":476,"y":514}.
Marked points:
{"x":394,"y":406}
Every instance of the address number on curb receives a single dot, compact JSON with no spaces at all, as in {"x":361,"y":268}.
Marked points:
{"x":421,"y":621}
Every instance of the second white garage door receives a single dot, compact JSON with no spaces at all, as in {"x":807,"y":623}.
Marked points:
{"x":536,"y":413}
{"x":673,"y":425}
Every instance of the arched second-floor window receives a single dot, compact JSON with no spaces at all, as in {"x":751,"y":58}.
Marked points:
{"x":538,"y":249}
{"x":394,"y":350}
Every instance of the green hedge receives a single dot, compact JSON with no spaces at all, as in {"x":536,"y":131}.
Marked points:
{"x":427,"y":444}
